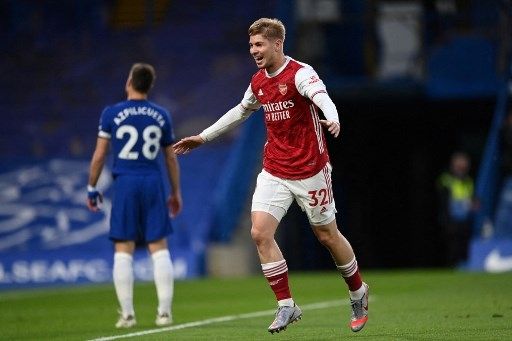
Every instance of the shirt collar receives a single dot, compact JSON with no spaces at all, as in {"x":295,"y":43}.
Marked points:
{"x":278,"y":71}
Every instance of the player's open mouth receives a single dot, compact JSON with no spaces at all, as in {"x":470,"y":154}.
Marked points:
{"x":258,"y":59}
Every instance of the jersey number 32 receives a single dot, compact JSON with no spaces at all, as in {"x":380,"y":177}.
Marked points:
{"x":151,"y":136}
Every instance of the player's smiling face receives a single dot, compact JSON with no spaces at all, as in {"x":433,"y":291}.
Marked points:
{"x":265,"y":52}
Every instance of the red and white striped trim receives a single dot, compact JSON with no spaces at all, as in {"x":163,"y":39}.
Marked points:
{"x":318,"y":128}
{"x":349,"y":269}
{"x":274,"y":269}
{"x":328,"y":182}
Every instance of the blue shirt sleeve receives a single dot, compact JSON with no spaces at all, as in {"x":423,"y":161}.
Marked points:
{"x":105,"y":125}
{"x":167,"y":131}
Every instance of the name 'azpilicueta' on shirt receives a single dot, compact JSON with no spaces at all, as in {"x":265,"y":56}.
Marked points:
{"x":134,"y":111}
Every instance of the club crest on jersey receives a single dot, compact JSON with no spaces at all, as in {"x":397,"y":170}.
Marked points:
{"x":283,"y":88}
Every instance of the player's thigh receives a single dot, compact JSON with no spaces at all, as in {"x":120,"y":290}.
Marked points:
{"x":315,"y":197}
{"x":271,"y":196}
{"x":264,"y":225}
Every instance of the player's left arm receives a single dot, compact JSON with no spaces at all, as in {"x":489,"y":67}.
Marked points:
{"x":310,"y":85}
{"x":96,"y":166}
{"x":175,"y":201}
{"x":226,"y":122}
{"x":332,"y":122}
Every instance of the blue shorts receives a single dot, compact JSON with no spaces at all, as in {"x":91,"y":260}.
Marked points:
{"x":139,"y":209}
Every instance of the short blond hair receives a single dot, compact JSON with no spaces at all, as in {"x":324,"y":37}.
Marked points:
{"x":268,"y":28}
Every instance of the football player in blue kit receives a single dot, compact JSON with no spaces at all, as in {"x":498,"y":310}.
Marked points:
{"x":137,"y":130}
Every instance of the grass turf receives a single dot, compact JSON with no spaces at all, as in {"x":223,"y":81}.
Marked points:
{"x":404,"y":305}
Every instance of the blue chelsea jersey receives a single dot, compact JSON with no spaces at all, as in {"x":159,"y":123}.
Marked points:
{"x":137,"y":130}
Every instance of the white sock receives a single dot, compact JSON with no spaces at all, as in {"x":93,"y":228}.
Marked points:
{"x":358,"y":294}
{"x":123,"y":281}
{"x":286,"y":302}
{"x":164,"y":280}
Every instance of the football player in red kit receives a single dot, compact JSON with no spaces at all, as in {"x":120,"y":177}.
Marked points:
{"x":295,"y":165}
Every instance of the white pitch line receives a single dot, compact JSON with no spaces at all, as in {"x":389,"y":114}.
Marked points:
{"x":312,"y":306}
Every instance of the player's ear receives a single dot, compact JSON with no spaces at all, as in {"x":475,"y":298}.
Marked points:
{"x":278,"y":45}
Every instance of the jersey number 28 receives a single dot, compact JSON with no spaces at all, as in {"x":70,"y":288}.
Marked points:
{"x":151,"y":136}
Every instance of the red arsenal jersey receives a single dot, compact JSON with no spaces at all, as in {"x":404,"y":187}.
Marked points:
{"x":295,"y":147}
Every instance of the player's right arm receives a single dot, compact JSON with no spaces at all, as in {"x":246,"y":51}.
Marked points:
{"x":98,"y":160}
{"x":97,"y":163}
{"x":228,"y":121}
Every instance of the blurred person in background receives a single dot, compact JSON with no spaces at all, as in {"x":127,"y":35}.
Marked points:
{"x":457,"y":204}
{"x":138,"y":130}
{"x":295,"y":166}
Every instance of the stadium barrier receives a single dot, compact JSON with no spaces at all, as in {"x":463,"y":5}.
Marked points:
{"x":48,"y":236}
{"x":235,"y":186}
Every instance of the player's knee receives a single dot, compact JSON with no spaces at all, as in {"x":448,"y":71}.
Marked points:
{"x":256,"y":234}
{"x":259,"y":235}
{"x":327,"y":237}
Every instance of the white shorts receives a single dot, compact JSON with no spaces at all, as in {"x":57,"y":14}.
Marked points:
{"x":314,"y":196}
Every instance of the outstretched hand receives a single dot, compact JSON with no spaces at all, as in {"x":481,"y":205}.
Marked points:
{"x":332,"y":126}
{"x":186,"y":144}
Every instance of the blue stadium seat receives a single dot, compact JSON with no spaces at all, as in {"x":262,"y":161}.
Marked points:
{"x":462,"y":68}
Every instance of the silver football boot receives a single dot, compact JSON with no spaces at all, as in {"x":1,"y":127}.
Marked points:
{"x":359,"y":311}
{"x":285,"y":316}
